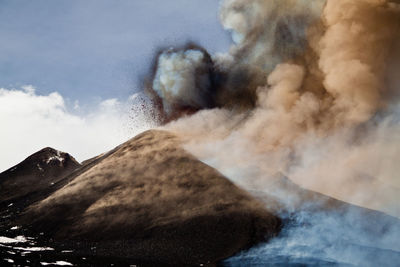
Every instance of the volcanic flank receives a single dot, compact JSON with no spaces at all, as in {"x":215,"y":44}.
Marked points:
{"x":37,"y":174}
{"x":149,"y":200}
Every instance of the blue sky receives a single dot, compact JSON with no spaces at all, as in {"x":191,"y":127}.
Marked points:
{"x":70,"y":69}
{"x":92,"y":49}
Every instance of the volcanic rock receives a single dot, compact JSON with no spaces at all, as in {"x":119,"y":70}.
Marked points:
{"x":36,"y":174}
{"x":152,"y":201}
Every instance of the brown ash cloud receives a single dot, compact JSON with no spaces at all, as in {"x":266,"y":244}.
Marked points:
{"x":308,"y":89}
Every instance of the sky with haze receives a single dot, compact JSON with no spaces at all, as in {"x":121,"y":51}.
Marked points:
{"x":70,"y":70}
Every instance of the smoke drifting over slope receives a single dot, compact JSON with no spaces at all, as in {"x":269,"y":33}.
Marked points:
{"x":309,"y":90}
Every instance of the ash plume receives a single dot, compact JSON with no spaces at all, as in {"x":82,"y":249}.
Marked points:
{"x":268,"y":32}
{"x":186,"y":80}
{"x":182,"y":81}
{"x":309,"y":89}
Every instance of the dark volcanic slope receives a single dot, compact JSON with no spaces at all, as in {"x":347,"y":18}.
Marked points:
{"x":152,"y":201}
{"x":36,"y":173}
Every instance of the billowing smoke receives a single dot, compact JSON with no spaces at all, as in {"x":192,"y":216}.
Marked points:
{"x":269,"y":32}
{"x":187,"y":80}
{"x":308,"y":91}
{"x":183,"y":80}
{"x":266,"y":33}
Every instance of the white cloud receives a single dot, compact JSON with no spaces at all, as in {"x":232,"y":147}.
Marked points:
{"x":30,"y":122}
